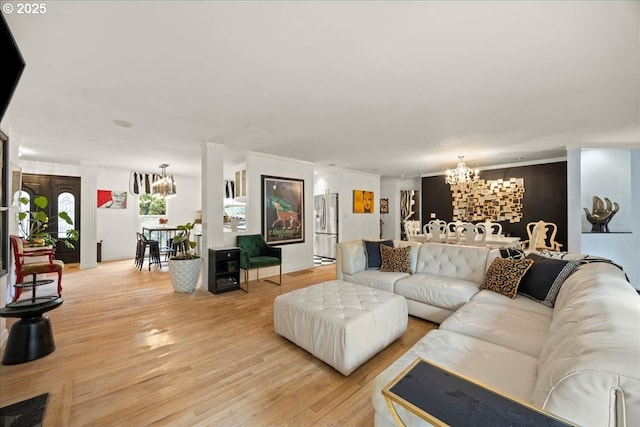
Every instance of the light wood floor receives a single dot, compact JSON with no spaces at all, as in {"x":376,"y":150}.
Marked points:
{"x":132,"y":352}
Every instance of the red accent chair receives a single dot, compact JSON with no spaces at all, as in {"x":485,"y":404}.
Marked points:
{"x":35,"y":266}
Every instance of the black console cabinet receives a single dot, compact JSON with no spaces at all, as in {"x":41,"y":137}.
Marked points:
{"x":224,"y":270}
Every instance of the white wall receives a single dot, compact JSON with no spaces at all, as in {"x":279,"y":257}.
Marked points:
{"x":116,"y":227}
{"x":295,"y":256}
{"x":330,"y":182}
{"x":352,"y":226}
{"x":389,"y":189}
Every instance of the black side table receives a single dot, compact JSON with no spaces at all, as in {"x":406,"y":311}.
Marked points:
{"x":224,"y":270}
{"x":32,"y":336}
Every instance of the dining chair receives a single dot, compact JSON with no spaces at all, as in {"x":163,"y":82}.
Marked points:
{"x":436,"y":230}
{"x":412,"y":230}
{"x":471,"y":234}
{"x":452,"y":231}
{"x":492,"y":228}
{"x":539,"y":237}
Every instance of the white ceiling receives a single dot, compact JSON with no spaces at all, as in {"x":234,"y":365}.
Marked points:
{"x":393,"y":88}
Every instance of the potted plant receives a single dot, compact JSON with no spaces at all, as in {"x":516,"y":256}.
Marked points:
{"x":184,"y":266}
{"x":34,"y":225}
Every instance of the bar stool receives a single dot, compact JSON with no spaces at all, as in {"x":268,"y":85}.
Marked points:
{"x":141,"y":249}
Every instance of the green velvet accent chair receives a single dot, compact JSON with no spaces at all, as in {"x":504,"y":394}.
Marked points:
{"x":255,"y":253}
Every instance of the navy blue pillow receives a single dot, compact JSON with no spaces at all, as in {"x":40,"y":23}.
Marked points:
{"x":372,"y":251}
{"x":545,"y":277}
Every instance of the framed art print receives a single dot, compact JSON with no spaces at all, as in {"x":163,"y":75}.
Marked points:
{"x":112,"y":199}
{"x":384,"y":206}
{"x":362,"y":201}
{"x":282,"y":210}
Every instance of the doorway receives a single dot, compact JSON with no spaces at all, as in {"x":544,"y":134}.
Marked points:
{"x":63,"y":193}
{"x":409,"y":209}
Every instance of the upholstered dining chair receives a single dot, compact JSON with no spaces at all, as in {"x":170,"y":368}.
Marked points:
{"x":412,"y":230}
{"x":539,"y":237}
{"x":436,"y":230}
{"x":453,"y":234}
{"x":471,"y":234}
{"x":32,"y":263}
{"x":493,"y":228}
{"x":255,"y":254}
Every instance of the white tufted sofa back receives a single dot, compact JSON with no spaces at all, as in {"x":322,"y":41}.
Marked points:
{"x":453,"y":261}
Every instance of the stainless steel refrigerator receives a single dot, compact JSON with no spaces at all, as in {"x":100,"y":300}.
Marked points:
{"x":325,"y":209}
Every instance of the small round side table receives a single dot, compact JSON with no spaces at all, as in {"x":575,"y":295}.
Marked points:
{"x":31,"y":337}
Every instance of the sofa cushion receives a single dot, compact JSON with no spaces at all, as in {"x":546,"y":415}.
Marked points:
{"x":372,"y":251}
{"x":544,"y":279}
{"x":502,"y":324}
{"x":353,"y":256}
{"x":376,"y":279}
{"x":504,"y":275}
{"x":520,"y":302}
{"x":499,"y":367}
{"x":395,"y":259}
{"x":437,"y":291}
{"x":453,"y":261}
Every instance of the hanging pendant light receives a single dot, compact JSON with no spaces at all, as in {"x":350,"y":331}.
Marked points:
{"x":165,"y":186}
{"x":462,"y":174}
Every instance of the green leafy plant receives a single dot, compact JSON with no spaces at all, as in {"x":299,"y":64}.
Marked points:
{"x":185,"y":248}
{"x":36,"y":229}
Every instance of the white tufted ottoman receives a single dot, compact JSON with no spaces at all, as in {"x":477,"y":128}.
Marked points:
{"x":342,"y":324}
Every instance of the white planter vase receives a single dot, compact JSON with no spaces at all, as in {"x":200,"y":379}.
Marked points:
{"x":184,"y":274}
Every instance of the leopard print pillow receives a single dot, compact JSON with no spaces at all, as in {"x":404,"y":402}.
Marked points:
{"x":504,"y":275}
{"x":395,"y":259}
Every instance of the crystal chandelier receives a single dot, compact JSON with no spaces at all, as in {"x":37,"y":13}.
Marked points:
{"x":164,"y":186}
{"x":461,"y":174}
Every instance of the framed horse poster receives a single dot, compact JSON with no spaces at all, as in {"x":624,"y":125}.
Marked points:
{"x":282,"y":210}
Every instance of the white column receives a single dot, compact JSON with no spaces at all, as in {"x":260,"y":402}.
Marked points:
{"x":212,"y":203}
{"x":88,"y":214}
{"x":574,"y":209}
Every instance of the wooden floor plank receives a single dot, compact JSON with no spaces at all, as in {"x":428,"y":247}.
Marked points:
{"x":130,"y":351}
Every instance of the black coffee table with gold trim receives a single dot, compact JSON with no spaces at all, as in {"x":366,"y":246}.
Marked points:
{"x":446,"y":398}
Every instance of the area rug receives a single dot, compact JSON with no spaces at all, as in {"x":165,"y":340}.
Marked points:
{"x":28,"y":413}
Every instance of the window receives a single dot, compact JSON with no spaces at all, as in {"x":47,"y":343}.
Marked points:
{"x":234,"y":211}
{"x":66,"y":203}
{"x":151,"y":208}
{"x":23,"y":226}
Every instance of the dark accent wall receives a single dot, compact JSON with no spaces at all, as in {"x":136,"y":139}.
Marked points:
{"x":545,"y":197}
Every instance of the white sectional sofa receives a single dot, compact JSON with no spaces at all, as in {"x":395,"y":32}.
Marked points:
{"x":579,"y":359}
{"x":444,"y":278}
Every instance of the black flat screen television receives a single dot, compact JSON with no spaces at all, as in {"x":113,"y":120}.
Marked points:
{"x":11,"y":63}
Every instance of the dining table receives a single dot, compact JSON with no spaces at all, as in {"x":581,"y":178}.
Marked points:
{"x":161,"y":233}
{"x":492,"y":241}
